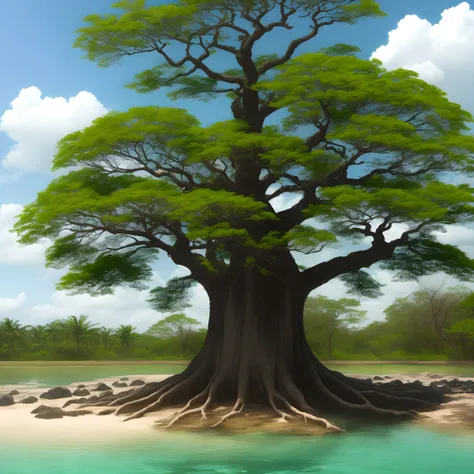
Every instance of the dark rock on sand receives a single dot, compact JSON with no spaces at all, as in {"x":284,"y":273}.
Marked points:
{"x":30,"y":399}
{"x":136,"y":383}
{"x":119,"y":384}
{"x":40,"y":409}
{"x":6,"y":400}
{"x":107,"y":393}
{"x":93,"y":398}
{"x":435,"y":376}
{"x":387,"y":377}
{"x":107,"y":411}
{"x":101,"y":387}
{"x":377,"y":377}
{"x":14,"y":392}
{"x":123,"y":379}
{"x":81,"y":392}
{"x":81,"y":386}
{"x":443,"y":388}
{"x":56,"y":392}
{"x":48,"y":413}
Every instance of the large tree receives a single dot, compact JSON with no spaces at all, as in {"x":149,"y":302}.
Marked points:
{"x":364,"y":149}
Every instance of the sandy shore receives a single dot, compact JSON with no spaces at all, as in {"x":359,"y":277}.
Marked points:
{"x":19,"y":426}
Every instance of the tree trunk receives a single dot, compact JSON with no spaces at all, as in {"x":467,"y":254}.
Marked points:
{"x":255,"y":352}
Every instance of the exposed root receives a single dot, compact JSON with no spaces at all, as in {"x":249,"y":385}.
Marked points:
{"x":236,"y":409}
{"x":321,"y":421}
{"x":189,"y":411}
{"x":129,"y":407}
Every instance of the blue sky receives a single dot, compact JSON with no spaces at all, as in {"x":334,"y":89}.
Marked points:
{"x":37,"y":37}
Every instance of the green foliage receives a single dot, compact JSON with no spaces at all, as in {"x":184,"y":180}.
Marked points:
{"x":173,"y":296}
{"x":206,"y":198}
{"x":425,"y":256}
{"x":362,"y":283}
{"x":174,"y":325}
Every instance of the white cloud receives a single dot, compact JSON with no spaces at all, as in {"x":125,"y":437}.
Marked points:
{"x":7,"y":305}
{"x":459,"y":236}
{"x":36,"y":124}
{"x":441,"y":53}
{"x":10,"y":251}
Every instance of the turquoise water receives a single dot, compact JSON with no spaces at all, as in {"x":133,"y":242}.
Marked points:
{"x":402,"y":450}
{"x":62,"y":375}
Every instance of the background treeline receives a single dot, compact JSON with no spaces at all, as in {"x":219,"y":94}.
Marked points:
{"x":429,"y":324}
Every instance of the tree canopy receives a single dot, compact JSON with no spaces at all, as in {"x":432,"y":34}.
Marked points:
{"x":153,"y":179}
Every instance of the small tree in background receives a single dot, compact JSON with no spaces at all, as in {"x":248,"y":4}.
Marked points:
{"x":126,"y":335}
{"x":79,"y":329}
{"x":177,"y":325}
{"x":330,"y":315}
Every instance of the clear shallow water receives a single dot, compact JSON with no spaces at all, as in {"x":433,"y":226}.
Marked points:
{"x":65,"y":375}
{"x":401,"y":450}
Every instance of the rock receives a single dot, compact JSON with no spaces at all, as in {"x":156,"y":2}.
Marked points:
{"x":123,"y":379}
{"x":77,"y":401}
{"x":93,"y":398}
{"x":441,"y":387}
{"x":369,"y":380}
{"x":435,"y":376}
{"x":418,"y":383}
{"x":30,"y":399}
{"x":47,"y":413}
{"x":136,"y":383}
{"x":55,"y":393}
{"x":41,"y":408}
{"x":387,"y":377}
{"x":377,"y":377}
{"x":108,"y":393}
{"x":119,"y":384}
{"x":81,"y":386}
{"x":101,"y":387}
{"x":14,"y":392}
{"x":6,"y":400}
{"x":107,"y":411}
{"x":81,"y":392}
{"x":50,"y":413}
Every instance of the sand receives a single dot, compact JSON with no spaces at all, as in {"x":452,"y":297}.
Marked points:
{"x":19,"y":426}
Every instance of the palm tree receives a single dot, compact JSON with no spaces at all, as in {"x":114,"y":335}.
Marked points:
{"x":78,"y":328}
{"x":37,"y":334}
{"x":54,"y":331}
{"x":125,"y":334}
{"x":11,"y":332}
{"x":105,"y":334}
